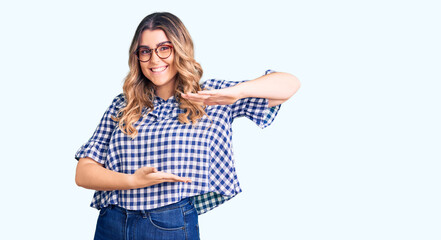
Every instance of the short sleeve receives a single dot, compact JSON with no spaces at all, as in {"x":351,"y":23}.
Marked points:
{"x":255,"y":109}
{"x":97,"y":146}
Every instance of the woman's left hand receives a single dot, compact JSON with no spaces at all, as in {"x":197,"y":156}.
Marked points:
{"x":223,"y":96}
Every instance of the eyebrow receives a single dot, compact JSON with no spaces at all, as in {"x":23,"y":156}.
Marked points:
{"x":157,"y":45}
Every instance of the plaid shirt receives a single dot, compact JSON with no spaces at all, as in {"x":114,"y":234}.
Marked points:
{"x":202,"y":152}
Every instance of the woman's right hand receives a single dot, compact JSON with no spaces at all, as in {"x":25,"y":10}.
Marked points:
{"x":148,"y":176}
{"x":93,"y":175}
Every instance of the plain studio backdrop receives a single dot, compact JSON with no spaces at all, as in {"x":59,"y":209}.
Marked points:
{"x":353,"y":155}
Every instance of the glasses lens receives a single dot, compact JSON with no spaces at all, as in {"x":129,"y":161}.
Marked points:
{"x":144,"y":54}
{"x":164,"y":51}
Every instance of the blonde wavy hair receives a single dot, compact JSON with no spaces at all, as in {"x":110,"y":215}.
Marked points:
{"x":139,"y":91}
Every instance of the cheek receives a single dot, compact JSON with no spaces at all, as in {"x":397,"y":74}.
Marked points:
{"x":172,"y":66}
{"x":174,"y":70}
{"x":171,"y":61}
{"x":145,"y":70}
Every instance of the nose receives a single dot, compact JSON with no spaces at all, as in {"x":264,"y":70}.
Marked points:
{"x":154,"y":57}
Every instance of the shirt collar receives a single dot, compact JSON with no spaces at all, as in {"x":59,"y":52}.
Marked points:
{"x":159,"y":101}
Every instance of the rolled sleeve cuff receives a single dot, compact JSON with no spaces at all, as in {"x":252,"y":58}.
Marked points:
{"x":95,"y":150}
{"x":266,"y":114}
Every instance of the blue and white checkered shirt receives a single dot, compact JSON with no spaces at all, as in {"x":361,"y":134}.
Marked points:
{"x":201,"y":152}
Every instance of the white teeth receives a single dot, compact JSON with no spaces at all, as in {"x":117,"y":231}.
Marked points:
{"x":159,"y":69}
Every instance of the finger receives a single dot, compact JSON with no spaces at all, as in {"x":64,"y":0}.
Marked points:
{"x":199,"y":103}
{"x":210,"y":103}
{"x":184,"y":179}
{"x":195,"y":96}
{"x":174,"y":178}
{"x":208,"y":92}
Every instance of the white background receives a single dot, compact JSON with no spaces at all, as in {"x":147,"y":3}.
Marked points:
{"x":353,"y":155}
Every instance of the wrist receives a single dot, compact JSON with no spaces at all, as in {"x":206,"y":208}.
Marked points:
{"x":132,"y":182}
{"x":241,"y":91}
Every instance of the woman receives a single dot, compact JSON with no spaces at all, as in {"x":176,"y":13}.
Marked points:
{"x":162,"y":152}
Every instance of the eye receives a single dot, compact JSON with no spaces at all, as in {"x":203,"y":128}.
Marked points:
{"x":144,"y":51}
{"x":164,"y":48}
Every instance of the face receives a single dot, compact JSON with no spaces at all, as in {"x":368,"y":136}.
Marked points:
{"x":161,"y":72}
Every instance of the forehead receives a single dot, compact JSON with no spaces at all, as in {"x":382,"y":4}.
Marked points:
{"x":151,"y":38}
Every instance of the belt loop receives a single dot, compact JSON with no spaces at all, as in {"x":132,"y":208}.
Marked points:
{"x":144,"y":214}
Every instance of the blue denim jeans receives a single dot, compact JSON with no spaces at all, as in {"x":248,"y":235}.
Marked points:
{"x":176,"y":221}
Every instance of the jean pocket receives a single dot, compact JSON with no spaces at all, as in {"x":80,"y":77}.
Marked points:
{"x":190,"y":211}
{"x":103,"y":211}
{"x":169,"y":220}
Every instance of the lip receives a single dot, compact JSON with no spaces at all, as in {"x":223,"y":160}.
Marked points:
{"x":151,"y":69}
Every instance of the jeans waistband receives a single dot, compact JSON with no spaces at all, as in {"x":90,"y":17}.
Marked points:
{"x":185,"y":203}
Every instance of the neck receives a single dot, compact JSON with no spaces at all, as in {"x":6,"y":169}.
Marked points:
{"x":166,"y":91}
{"x":163,"y":95}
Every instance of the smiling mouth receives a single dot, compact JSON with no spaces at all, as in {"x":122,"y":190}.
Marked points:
{"x":158,"y":69}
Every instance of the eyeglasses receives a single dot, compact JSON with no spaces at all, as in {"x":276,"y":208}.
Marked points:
{"x":144,"y":54}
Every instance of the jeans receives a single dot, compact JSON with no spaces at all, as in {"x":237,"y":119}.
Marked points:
{"x":176,"y":221}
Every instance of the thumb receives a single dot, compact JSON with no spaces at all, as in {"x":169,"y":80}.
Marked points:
{"x":148,"y":170}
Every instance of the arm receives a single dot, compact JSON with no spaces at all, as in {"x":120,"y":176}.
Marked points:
{"x":276,"y":87}
{"x":92,"y":175}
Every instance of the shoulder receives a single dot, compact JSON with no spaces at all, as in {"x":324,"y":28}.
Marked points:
{"x":119,"y":101}
{"x":211,"y":84}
